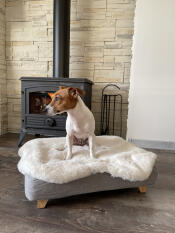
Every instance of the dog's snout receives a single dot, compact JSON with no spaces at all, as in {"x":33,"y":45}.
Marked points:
{"x":44,"y":108}
{"x":49,"y":110}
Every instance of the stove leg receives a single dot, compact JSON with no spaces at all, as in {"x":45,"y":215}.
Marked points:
{"x":21,"y":138}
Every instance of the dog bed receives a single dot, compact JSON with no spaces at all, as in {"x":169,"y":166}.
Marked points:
{"x":118,"y":164}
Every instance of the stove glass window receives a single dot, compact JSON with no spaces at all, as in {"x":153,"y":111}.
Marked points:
{"x":38,"y":102}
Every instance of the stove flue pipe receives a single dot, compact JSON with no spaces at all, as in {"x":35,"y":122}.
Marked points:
{"x":61,"y":38}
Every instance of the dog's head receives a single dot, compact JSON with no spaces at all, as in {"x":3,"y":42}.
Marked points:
{"x":64,"y":99}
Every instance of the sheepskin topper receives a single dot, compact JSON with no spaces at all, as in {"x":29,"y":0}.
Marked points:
{"x":44,"y":159}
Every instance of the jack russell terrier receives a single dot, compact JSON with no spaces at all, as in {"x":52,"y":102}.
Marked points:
{"x":80,"y":123}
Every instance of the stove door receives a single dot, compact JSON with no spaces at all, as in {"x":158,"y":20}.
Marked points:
{"x":36,"y":99}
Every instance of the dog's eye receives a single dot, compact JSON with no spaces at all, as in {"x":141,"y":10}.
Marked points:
{"x":57,"y":98}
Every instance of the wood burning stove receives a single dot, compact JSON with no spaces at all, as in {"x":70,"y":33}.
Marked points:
{"x":35,"y":91}
{"x":35,"y":96}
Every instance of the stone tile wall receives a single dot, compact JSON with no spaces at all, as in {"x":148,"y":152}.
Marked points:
{"x":3,"y":98}
{"x":100,"y":47}
{"x":29,"y":30}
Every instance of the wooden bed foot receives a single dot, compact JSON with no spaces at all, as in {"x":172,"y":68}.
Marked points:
{"x":41,"y":204}
{"x":142,"y":189}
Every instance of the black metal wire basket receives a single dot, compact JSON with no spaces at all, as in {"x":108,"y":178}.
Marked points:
{"x":111,"y":111}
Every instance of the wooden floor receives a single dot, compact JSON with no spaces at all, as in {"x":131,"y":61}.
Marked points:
{"x":115,"y":211}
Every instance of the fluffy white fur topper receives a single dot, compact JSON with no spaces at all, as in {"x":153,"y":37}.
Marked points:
{"x":43,"y":158}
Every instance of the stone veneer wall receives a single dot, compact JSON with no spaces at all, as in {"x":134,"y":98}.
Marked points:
{"x":3,"y":99}
{"x":100,"y":47}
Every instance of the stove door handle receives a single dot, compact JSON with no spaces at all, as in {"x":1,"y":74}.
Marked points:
{"x":50,"y":122}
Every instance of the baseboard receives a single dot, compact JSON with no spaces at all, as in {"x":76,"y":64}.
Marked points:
{"x":161,"y":145}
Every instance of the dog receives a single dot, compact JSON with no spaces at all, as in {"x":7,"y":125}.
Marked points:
{"x":80,"y":123}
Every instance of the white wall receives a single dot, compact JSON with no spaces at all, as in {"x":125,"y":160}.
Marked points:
{"x":152,"y":93}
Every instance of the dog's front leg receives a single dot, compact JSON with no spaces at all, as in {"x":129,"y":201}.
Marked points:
{"x":91,"y":146}
{"x":69,"y":142}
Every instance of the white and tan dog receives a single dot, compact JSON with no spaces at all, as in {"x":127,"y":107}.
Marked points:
{"x":80,"y":123}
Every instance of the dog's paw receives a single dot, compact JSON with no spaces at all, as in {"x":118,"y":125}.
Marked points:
{"x":61,"y":148}
{"x":92,"y":156}
{"x":68,"y":157}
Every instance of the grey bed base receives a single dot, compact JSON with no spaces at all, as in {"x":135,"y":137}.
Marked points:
{"x":43,"y":191}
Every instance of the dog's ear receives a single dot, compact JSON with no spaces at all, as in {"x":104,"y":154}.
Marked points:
{"x":62,"y":87}
{"x":80,"y":92}
{"x":75,"y":91}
